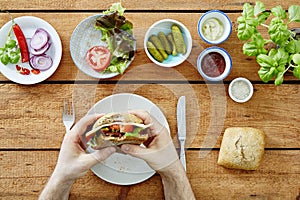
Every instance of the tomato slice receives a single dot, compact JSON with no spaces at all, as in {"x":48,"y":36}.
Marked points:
{"x":98,"y":57}
{"x":127,"y":128}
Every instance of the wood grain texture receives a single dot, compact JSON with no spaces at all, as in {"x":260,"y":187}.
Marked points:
{"x":193,"y":5}
{"x":277,"y":178}
{"x":31,"y":116}
{"x":142,"y":67}
{"x":31,"y":125}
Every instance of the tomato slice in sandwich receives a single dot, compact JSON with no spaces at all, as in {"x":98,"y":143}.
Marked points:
{"x":126,"y":128}
{"x":98,"y":57}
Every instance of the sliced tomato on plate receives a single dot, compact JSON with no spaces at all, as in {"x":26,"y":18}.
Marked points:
{"x":98,"y":57}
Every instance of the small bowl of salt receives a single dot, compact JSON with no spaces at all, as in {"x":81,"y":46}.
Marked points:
{"x":240,"y":90}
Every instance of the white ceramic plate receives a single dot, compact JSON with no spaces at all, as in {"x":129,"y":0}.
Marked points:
{"x":29,"y":24}
{"x":83,"y":38}
{"x":118,"y":177}
{"x":120,"y":168}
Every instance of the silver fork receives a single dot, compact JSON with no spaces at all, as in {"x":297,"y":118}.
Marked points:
{"x":68,"y":114}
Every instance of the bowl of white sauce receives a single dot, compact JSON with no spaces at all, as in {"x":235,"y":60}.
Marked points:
{"x":240,"y":90}
{"x":214,"y":27}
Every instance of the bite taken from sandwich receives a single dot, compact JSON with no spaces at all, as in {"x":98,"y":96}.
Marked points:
{"x":115,"y":129}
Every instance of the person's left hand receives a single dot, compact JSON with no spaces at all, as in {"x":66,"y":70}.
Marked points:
{"x":73,"y":162}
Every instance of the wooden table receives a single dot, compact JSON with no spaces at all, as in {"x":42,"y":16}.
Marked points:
{"x":31,"y":126}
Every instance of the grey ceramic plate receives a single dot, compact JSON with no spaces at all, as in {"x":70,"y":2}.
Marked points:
{"x":83,"y":38}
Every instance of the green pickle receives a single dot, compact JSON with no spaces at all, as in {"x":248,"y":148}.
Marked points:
{"x":154,"y":52}
{"x":178,"y":39}
{"x":171,"y":40}
{"x":157,"y":43}
{"x":165,"y":42}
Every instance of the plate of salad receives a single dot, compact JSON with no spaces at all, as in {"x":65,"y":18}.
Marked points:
{"x":103,"y":45}
{"x":30,"y":50}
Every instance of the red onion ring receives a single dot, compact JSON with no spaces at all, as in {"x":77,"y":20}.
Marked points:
{"x":42,"y":62}
{"x":39,"y":51}
{"x":39,"y":39}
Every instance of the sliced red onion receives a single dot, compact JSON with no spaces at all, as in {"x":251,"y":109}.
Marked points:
{"x":40,"y":51}
{"x":39,"y":39}
{"x":41,"y":62}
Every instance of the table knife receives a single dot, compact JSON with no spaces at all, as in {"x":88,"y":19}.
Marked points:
{"x":181,"y":125}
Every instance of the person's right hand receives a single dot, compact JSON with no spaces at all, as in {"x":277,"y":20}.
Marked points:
{"x":161,"y":152}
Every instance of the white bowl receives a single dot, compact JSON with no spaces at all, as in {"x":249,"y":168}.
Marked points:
{"x":240,"y":90}
{"x":165,"y":26}
{"x":221,"y":17}
{"x":225,"y":55}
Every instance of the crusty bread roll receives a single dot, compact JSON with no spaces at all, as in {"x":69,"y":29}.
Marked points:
{"x":242,"y":148}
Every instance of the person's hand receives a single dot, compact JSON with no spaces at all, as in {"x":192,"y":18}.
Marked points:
{"x":73,"y":162}
{"x":161,"y":152}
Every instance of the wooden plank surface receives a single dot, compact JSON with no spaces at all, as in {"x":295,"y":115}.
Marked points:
{"x":190,"y":5}
{"x":31,"y":126}
{"x":67,"y":70}
{"x":31,"y":116}
{"x":277,"y":178}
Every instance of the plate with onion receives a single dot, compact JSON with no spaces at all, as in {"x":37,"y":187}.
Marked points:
{"x":39,"y":46}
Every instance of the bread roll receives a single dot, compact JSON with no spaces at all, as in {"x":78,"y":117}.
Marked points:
{"x":242,"y":148}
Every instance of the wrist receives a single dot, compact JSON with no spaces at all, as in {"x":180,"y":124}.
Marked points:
{"x":174,"y":167}
{"x":58,"y":187}
{"x":59,"y":178}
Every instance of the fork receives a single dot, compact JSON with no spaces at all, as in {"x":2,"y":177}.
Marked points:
{"x":68,"y":114}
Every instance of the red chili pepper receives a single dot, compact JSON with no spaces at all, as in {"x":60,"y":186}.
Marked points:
{"x":18,"y":67}
{"x":22,"y":42}
{"x":35,"y":71}
{"x":25,"y":71}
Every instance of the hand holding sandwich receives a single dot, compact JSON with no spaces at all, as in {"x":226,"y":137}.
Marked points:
{"x":161,"y":155}
{"x":160,"y":151}
{"x":73,"y":162}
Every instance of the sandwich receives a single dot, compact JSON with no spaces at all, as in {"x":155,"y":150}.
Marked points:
{"x":115,"y":129}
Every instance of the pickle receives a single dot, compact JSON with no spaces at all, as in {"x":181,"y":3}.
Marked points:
{"x":165,"y":42}
{"x":154,"y":52}
{"x":171,"y":40}
{"x":178,"y":39}
{"x":157,"y":43}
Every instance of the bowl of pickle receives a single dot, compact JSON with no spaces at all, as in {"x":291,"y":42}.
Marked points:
{"x":168,"y":43}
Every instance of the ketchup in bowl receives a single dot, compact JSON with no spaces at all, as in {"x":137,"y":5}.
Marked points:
{"x":213,"y":64}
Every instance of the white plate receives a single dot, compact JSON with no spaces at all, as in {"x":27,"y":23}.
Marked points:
{"x":125,"y":165}
{"x":83,"y":38}
{"x":29,"y":25}
{"x":117,"y":177}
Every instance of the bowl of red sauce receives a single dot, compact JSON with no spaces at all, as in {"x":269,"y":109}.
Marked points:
{"x":214,"y":64}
